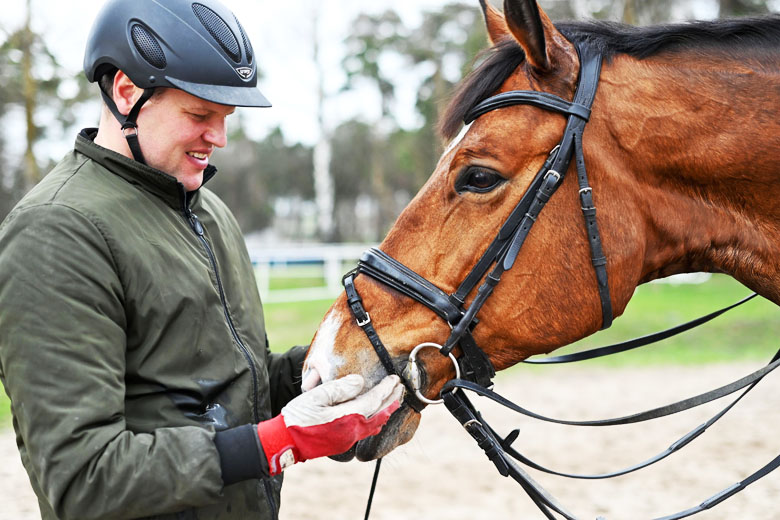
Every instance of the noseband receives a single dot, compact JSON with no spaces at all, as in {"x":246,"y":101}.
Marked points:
{"x":500,"y":256}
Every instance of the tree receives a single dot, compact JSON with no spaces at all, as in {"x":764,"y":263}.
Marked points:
{"x":437,"y":53}
{"x":32,"y":173}
{"x":354,"y":149}
{"x":324,"y":196}
{"x":742,"y":7}
{"x":641,"y":12}
{"x":372,"y":37}
{"x":32,"y":80}
{"x":446,"y":44}
{"x":255,"y":174}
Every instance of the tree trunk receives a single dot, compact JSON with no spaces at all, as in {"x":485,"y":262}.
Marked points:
{"x":32,"y":173}
{"x":324,"y":195}
{"x":629,"y":12}
{"x":382,"y":194}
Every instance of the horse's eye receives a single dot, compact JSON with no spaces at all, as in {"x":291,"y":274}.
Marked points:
{"x":478,"y":180}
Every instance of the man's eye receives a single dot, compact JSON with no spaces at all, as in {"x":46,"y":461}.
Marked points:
{"x":478,"y":180}
{"x":199,"y":117}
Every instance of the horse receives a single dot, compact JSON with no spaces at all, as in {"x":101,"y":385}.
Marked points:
{"x":683,"y":158}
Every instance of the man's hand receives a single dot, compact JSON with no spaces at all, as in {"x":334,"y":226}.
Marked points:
{"x":328,"y":420}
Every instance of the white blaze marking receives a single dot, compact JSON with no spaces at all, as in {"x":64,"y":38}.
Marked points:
{"x":322,"y":362}
{"x":457,"y":140}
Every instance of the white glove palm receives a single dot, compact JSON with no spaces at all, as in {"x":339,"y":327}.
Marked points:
{"x":335,"y":399}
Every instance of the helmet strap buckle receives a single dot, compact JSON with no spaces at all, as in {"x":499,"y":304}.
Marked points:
{"x":129,"y":129}
{"x":128,"y":122}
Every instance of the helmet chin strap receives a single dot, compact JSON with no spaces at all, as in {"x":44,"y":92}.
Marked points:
{"x":128,"y":122}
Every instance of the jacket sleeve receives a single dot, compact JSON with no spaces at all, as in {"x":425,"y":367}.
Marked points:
{"x":284,"y":374}
{"x":62,"y":361}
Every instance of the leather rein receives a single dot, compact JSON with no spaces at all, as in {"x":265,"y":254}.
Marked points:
{"x":474,"y":371}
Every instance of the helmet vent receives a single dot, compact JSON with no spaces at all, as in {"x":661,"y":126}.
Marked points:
{"x":148,"y":47}
{"x":219,"y":30}
{"x":247,"y":43}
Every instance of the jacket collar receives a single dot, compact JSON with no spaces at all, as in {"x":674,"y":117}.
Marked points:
{"x":157,"y":182}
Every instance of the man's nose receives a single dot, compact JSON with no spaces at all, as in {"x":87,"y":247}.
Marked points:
{"x":216,"y":133}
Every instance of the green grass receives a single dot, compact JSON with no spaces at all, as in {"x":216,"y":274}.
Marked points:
{"x":749,"y":332}
{"x":290,"y":324}
{"x":282,"y":282}
{"x":5,"y":408}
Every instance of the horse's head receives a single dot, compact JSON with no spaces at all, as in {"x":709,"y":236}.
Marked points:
{"x":548,"y":298}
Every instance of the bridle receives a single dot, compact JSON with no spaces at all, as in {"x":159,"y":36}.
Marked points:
{"x":501,"y":254}
{"x":474,"y":371}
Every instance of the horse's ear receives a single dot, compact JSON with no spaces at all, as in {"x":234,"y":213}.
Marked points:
{"x":496,"y":24}
{"x":536,"y":34}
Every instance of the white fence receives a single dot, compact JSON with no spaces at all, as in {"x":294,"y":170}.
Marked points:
{"x":318,"y":267}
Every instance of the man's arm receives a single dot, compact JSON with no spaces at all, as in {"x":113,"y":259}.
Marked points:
{"x":284,"y":374}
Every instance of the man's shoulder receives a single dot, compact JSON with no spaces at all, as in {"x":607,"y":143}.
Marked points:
{"x":77,"y":182}
{"x":77,"y":194}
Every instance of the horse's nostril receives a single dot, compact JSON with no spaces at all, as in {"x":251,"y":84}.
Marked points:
{"x":311,"y":378}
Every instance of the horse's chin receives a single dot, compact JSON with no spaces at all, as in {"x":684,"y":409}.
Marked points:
{"x":399,"y":430}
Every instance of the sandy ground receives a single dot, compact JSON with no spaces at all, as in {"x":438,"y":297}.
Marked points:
{"x":442,"y":474}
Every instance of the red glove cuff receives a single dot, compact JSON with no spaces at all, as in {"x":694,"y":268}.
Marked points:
{"x":278,"y":445}
{"x":284,"y":446}
{"x":337,"y":436}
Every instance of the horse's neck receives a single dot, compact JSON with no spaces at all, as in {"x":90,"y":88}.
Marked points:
{"x":701,"y":137}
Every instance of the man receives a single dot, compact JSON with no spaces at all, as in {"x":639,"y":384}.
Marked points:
{"x":132,"y":343}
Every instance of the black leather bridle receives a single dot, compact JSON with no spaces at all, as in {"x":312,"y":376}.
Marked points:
{"x":501,"y":254}
{"x":476,"y":370}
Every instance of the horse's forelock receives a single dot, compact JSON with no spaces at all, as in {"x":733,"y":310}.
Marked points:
{"x":496,"y":65}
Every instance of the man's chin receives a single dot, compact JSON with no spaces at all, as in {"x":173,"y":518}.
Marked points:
{"x":191,"y":181}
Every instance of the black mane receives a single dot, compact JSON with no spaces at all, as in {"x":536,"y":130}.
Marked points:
{"x":642,"y":42}
{"x":612,"y":39}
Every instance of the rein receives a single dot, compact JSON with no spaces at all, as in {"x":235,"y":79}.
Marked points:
{"x":474,"y":371}
{"x":499,"y":450}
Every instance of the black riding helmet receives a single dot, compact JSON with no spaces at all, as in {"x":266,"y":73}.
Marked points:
{"x":195,"y":46}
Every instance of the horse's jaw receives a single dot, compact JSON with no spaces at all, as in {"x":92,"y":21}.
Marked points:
{"x":399,"y":430}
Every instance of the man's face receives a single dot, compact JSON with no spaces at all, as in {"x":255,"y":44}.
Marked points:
{"x":178,"y":133}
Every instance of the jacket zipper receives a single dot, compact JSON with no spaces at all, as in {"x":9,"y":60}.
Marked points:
{"x":197,"y":227}
{"x":269,"y":495}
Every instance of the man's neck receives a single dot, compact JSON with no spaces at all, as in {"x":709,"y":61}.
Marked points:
{"x":110,"y":135}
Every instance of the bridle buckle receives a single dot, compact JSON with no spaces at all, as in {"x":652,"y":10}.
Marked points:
{"x":553,"y":173}
{"x":363,"y":323}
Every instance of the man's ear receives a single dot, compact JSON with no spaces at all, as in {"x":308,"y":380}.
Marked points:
{"x":124,"y":93}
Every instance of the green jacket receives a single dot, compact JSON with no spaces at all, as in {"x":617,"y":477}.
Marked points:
{"x":133,"y":347}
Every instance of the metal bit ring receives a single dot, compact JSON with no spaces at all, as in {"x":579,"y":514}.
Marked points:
{"x":414,"y":371}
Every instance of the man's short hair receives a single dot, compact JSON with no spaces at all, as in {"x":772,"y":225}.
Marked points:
{"x":106,"y":82}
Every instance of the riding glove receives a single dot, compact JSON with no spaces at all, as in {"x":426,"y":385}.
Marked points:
{"x":328,"y":420}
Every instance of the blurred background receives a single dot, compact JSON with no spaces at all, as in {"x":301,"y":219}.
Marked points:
{"x":357,"y":88}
